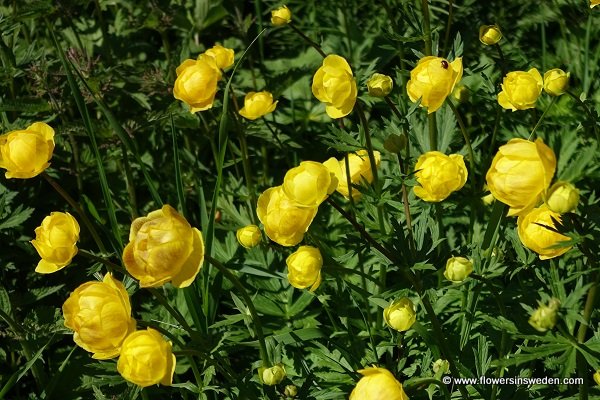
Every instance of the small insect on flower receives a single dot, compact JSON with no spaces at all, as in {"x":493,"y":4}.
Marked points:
{"x":444,"y":64}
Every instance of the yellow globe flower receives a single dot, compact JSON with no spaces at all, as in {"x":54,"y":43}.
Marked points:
{"x":360,"y":169}
{"x":309,"y":184}
{"x":400,"y":314}
{"x":334,"y":85}
{"x":196,"y":83}
{"x":432,"y":80}
{"x":162,"y":248}
{"x":594,"y":3}
{"x":257,"y":104}
{"x":26,"y":153}
{"x":439,"y":175}
{"x":556,"y":82}
{"x":544,"y":317}
{"x":56,"y":242}
{"x":100,"y":315}
{"x":534,"y":232}
{"x":147,"y":359}
{"x":304,"y":268}
{"x":377,"y":384}
{"x":520,"y":172}
{"x":597,"y":373}
{"x":489,"y":34}
{"x":520,"y":90}
{"x":249,"y":236}
{"x":380,"y":85}
{"x":223,"y":56}
{"x":562,"y":197}
{"x":284,"y":221}
{"x":458,"y":269}
{"x":271,"y":376}
{"x":281,"y":16}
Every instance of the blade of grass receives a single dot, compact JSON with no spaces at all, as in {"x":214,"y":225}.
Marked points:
{"x":177,"y":167}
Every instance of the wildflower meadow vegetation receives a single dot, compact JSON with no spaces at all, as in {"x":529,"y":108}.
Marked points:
{"x":334,"y":199}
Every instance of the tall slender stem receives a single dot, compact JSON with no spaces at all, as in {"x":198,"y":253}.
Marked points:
{"x":588,"y":308}
{"x":264,"y":355}
{"x":426,"y":27}
{"x":448,"y":25}
{"x":542,"y":117}
{"x":308,"y":40}
{"x":465,"y":134}
{"x":77,"y":208}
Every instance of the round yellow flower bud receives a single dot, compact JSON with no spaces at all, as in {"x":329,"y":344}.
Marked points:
{"x":271,"y":376}
{"x":147,"y":359}
{"x":162,"y":248}
{"x":196,"y":83}
{"x":334,"y":85}
{"x":539,"y":238}
{"x":309,"y":184}
{"x":360,"y":169}
{"x":458,"y":269}
{"x":377,"y":384}
{"x":556,"y":82}
{"x":304,"y":268}
{"x":290,"y":391}
{"x":400,"y":314}
{"x":56,"y":242}
{"x":26,"y":153}
{"x":257,"y":104}
{"x":432,"y":80}
{"x":223,"y":56}
{"x":520,"y":172}
{"x":461,"y":94}
{"x":489,"y":34}
{"x":544,"y":317}
{"x":284,"y":221}
{"x":100,"y":315}
{"x":594,"y":3}
{"x":380,"y":85}
{"x":439,"y":175}
{"x":597,"y":373}
{"x":441,"y":366}
{"x":562,"y":197}
{"x":520,"y":90}
{"x":281,"y":16}
{"x":249,"y":236}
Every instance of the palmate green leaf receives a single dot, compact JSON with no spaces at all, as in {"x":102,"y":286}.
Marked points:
{"x":16,"y":218}
{"x":340,"y":140}
{"x":299,"y":335}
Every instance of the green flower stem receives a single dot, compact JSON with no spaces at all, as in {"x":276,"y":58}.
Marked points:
{"x":588,"y":308}
{"x":448,"y":25}
{"x":175,"y":313}
{"x":308,"y":40}
{"x":349,"y":182}
{"x":465,"y":134}
{"x":588,"y":112}
{"x":78,"y":209}
{"x":542,"y":117}
{"x":502,"y":59}
{"x":264,"y":355}
{"x":426,"y":27}
{"x":219,"y":363}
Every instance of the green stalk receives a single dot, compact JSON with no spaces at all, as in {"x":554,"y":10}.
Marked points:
{"x":588,"y":308}
{"x":426,"y":27}
{"x":448,"y":25}
{"x":308,"y":40}
{"x":465,"y":134}
{"x":432,"y":125}
{"x":264,"y":355}
{"x":542,"y":117}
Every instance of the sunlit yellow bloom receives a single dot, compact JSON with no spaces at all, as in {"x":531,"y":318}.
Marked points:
{"x":304,"y":268}
{"x":458,"y":269}
{"x":248,"y":236}
{"x":520,"y":172}
{"x":257,"y":104}
{"x":360,"y":169}
{"x":556,"y":81}
{"x":56,"y":242}
{"x":285,"y":222}
{"x":377,"y":384}
{"x":196,"y":83}
{"x":334,"y":85}
{"x":309,"y":184}
{"x":489,"y":34}
{"x":400,"y":314}
{"x":271,"y":376}
{"x":439,"y":175}
{"x":162,"y":248}
{"x":594,"y":3}
{"x":544,"y":317}
{"x":562,"y":197}
{"x":223,"y":56}
{"x":100,"y":315}
{"x":281,"y":16}
{"x":597,"y":373}
{"x":26,"y":153}
{"x":380,"y":85}
{"x":147,"y":359}
{"x":520,"y":90}
{"x":535,"y":232}
{"x":432,"y":80}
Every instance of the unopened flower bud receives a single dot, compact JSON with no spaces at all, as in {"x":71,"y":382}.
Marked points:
{"x":544,"y":317}
{"x":563,"y":197}
{"x":489,"y":34}
{"x":597,"y":377}
{"x":248,"y":236}
{"x":441,"y":366}
{"x":556,"y":82}
{"x":400,"y":314}
{"x":273,"y":375}
{"x":281,"y":16}
{"x":458,"y":269}
{"x":291,"y":391}
{"x":379,"y":85}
